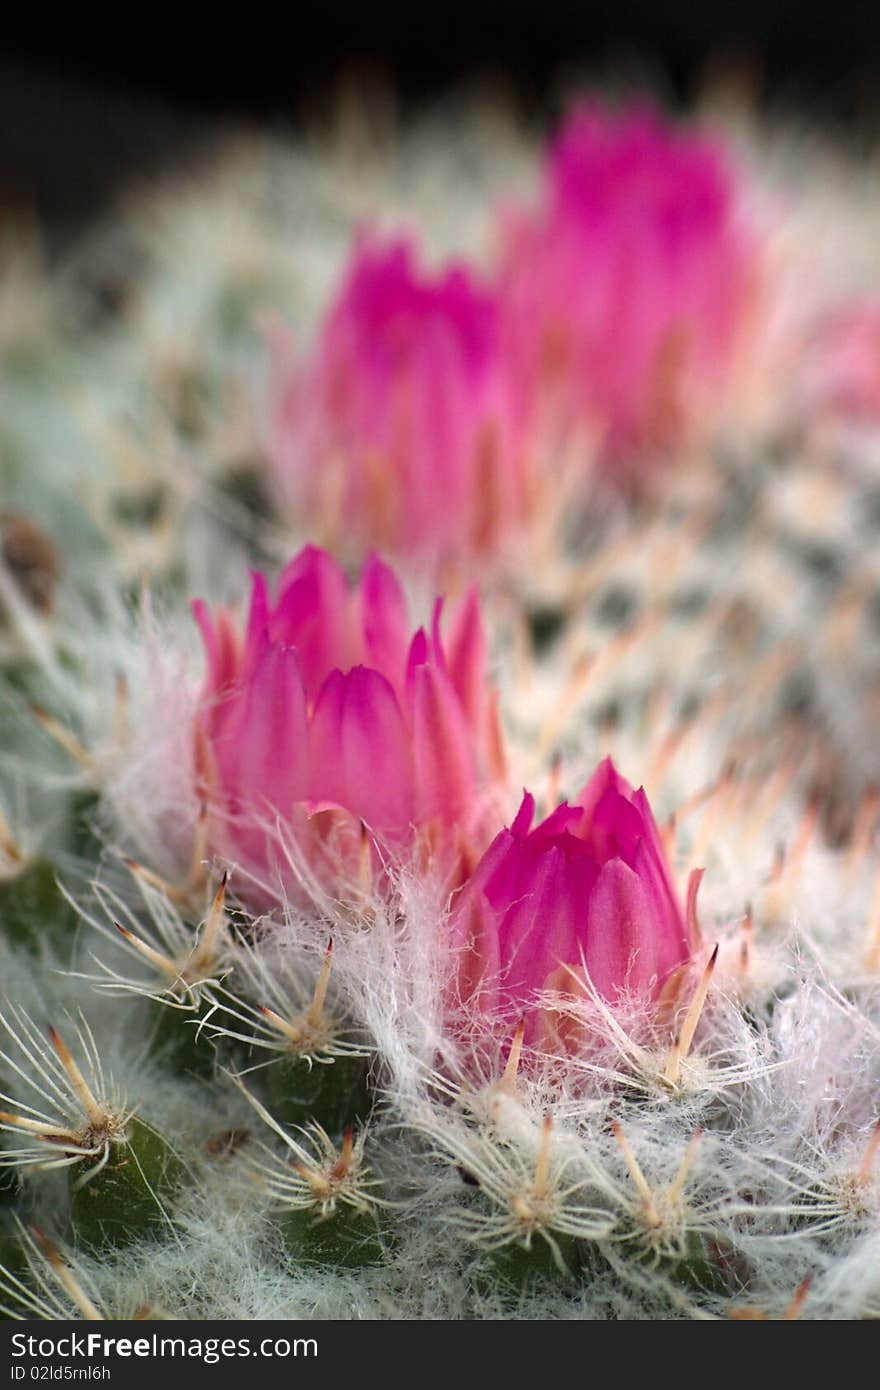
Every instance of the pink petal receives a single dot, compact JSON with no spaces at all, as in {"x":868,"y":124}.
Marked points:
{"x":443,"y":757}
{"x":555,"y":825}
{"x":611,"y":824}
{"x":419,"y":655}
{"x":221,"y":645}
{"x":524,"y":816}
{"x":543,"y":927}
{"x":359,"y":751}
{"x":383,"y":620}
{"x":665,"y":922}
{"x":256,"y":637}
{"x":466,"y":657}
{"x":475,"y":946}
{"x":620,"y":941}
{"x":499,"y":874}
{"x":313,"y":614}
{"x":605,"y":776}
{"x":438,"y":655}
{"x":260,"y":745}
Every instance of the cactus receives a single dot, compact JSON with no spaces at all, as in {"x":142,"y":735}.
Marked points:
{"x":316,"y":1011}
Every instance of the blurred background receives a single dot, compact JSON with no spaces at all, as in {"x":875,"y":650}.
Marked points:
{"x":87,"y":102}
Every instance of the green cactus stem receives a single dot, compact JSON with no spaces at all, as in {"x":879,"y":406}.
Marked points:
{"x":335,"y":1091}
{"x":124,"y":1199}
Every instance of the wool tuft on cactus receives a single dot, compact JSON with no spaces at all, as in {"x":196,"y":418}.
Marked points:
{"x":350,"y":554}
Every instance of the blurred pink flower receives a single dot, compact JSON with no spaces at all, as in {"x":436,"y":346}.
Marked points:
{"x":625,"y":294}
{"x":842,"y":371}
{"x":401,"y":431}
{"x":326,"y":713}
{"x":587,"y":889}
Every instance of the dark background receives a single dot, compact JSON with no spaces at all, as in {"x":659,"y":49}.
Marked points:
{"x":86,"y":100}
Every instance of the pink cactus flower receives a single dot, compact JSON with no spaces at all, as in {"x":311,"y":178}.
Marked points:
{"x":588,"y":889}
{"x":402,"y":430}
{"x":842,"y":371}
{"x":625,"y":293}
{"x":324,"y":712}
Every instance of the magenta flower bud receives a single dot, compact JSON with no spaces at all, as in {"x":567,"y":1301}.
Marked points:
{"x":589,"y":889}
{"x":324,"y":712}
{"x":402,"y":430}
{"x":625,"y":293}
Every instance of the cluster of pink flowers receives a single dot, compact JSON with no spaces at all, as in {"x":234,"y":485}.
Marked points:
{"x":430,"y":411}
{"x":587,"y":893}
{"x":402,"y":431}
{"x":323,"y":714}
{"x":426,"y":421}
{"x":625,"y":294}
